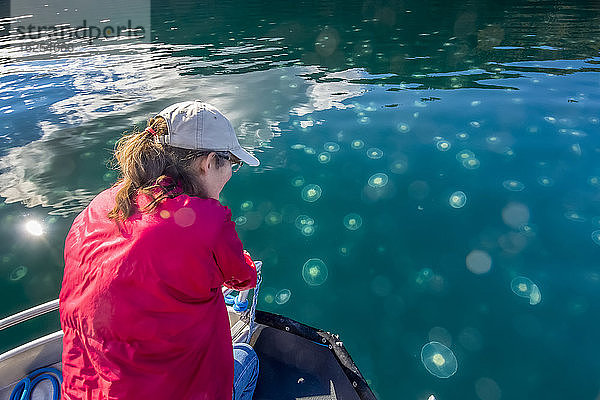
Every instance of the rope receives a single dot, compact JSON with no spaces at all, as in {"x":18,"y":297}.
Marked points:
{"x":24,"y":389}
{"x":254,"y":301}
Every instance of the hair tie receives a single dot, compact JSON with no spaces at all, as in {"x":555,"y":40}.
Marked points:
{"x":152,"y":131}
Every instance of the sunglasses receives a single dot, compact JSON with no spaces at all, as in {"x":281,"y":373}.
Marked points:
{"x":236,"y":163}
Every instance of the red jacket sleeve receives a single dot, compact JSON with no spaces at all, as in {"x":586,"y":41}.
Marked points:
{"x":238,"y":270}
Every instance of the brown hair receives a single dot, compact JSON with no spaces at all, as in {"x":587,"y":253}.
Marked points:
{"x":147,"y":165}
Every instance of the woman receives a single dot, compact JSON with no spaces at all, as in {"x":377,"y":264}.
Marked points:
{"x":141,"y":305}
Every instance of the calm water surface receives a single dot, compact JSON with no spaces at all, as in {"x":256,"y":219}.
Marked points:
{"x":439,"y":161}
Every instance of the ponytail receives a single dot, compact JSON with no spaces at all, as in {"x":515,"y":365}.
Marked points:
{"x":147,"y":165}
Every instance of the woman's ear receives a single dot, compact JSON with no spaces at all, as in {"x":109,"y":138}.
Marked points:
{"x":204,"y":163}
{"x":212,"y":160}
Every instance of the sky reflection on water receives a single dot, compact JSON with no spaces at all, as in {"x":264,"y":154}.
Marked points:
{"x":395,"y":112}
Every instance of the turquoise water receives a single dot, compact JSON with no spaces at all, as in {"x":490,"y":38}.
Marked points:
{"x":455,"y":149}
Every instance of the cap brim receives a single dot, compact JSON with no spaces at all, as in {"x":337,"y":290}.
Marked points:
{"x":246,"y":157}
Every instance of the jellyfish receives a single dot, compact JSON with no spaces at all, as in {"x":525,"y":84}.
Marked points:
{"x":508,"y":152}
{"x":357,"y":144}
{"x":303,"y":220}
{"x":246,"y":205}
{"x":308,"y":230}
{"x":352,"y":221}
{"x":596,"y":237}
{"x":545,"y":181}
{"x":399,"y":166}
{"x":457,"y":199}
{"x":475,"y":103}
{"x":513,"y":185}
{"x":527,"y":229}
{"x":535,"y":297}
{"x":574,"y":216}
{"x":378,"y":180}
{"x":374,"y":153}
{"x":443,"y":145}
{"x":18,"y":273}
{"x":309,"y":150}
{"x":403,"y":127}
{"x":331,"y":147}
{"x":297,"y":181}
{"x":475,"y":124}
{"x":241,"y":220}
{"x":487,"y":389}
{"x":273,"y":218}
{"x":471,"y":163}
{"x":522,"y":286}
{"x":462,"y":136}
{"x":370,"y":108}
{"x":492,"y":139}
{"x":268,"y":295}
{"x":439,"y":360}
{"x":297,"y":146}
{"x":464,"y":155}
{"x":324,"y":157}
{"x":109,"y":176}
{"x":550,"y":119}
{"x":572,"y":132}
{"x":311,"y":193}
{"x":471,"y":339}
{"x":314,"y":272}
{"x":364,"y":120}
{"x":423,"y":276}
{"x":283,"y":296}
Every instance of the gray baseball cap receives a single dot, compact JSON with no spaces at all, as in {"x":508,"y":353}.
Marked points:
{"x":196,"y":125}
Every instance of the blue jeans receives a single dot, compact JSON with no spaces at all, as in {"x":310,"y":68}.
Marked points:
{"x":245,"y":371}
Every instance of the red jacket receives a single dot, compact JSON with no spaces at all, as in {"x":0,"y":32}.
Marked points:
{"x":141,"y":306}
